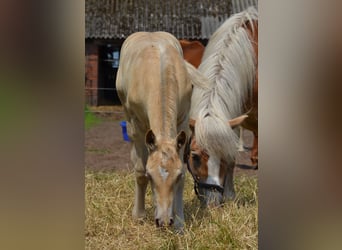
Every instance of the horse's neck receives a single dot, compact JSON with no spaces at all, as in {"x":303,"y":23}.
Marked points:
{"x":162,"y":114}
{"x":252,"y":29}
{"x":166,"y":128}
{"x":252,"y":102}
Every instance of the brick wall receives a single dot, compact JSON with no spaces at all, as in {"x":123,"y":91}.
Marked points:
{"x":91,"y":74}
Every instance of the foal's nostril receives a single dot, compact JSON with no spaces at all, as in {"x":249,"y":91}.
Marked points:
{"x":159,"y":223}
{"x":171,"y":222}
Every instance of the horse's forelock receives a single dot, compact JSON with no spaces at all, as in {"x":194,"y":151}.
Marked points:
{"x":216,"y":137}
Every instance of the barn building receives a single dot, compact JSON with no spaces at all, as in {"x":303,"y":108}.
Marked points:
{"x":109,"y":22}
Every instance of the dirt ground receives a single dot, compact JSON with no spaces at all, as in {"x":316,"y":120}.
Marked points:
{"x":105,"y":149}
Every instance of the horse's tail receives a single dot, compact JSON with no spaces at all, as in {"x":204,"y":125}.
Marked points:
{"x":216,"y":136}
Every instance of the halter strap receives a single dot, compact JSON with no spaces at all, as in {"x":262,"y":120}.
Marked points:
{"x":198,"y":184}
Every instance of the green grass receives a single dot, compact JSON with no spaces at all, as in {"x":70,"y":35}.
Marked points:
{"x":109,"y":224}
{"x":90,"y":118}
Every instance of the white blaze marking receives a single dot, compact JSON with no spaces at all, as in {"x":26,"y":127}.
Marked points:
{"x":213,"y":170}
{"x":163,"y":173}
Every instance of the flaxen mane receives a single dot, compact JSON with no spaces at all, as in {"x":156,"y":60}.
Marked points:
{"x":229,"y":63}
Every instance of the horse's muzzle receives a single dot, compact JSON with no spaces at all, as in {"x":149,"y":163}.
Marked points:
{"x":161,"y":223}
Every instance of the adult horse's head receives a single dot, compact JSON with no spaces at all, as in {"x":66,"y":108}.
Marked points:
{"x":209,"y":170}
{"x":165,"y":170}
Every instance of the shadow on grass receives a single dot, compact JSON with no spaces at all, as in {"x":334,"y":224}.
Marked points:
{"x":194,"y":212}
{"x":246,"y":196}
{"x":245,"y":201}
{"x":246,"y":192}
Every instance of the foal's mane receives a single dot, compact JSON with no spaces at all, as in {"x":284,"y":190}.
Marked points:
{"x":229,"y":63}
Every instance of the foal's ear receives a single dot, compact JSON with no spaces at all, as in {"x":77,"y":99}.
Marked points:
{"x":181,"y":139}
{"x":192,"y":123}
{"x":150,"y":141}
{"x":237,"y":121}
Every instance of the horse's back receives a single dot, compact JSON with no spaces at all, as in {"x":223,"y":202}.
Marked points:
{"x":139,"y":50}
{"x":192,"y":51}
{"x":142,"y":55}
{"x":152,"y":78}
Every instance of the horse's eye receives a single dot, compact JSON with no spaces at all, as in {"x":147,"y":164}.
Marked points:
{"x":196,"y":158}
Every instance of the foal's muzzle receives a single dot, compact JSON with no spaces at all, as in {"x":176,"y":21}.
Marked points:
{"x":161,"y":223}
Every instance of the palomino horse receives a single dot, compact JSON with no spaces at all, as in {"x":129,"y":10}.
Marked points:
{"x":155,"y":90}
{"x":192,"y":51}
{"x":229,"y":99}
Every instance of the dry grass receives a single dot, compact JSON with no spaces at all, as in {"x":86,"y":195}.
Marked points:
{"x":109,"y":225}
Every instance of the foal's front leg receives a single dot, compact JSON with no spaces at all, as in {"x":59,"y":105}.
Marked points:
{"x":178,"y":206}
{"x":139,"y":201}
{"x":141,"y":182}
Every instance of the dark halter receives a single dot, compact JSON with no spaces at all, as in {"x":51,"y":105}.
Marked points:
{"x":197,"y":183}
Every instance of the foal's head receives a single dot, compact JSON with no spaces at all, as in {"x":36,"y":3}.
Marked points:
{"x":165,"y":170}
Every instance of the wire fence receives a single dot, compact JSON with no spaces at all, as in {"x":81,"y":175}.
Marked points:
{"x":93,"y":99}
{"x":114,"y":89}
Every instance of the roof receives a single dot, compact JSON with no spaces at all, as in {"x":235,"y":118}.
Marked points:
{"x":240,"y":5}
{"x":186,"y":19}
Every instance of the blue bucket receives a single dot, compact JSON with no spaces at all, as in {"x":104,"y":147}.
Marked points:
{"x":124,"y":131}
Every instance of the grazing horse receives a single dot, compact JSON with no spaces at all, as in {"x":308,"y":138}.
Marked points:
{"x":192,"y":51}
{"x":155,"y":90}
{"x":229,"y":99}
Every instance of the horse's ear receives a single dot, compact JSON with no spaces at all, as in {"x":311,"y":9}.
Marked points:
{"x":150,"y":140}
{"x":192,"y":123}
{"x":237,"y":121}
{"x":181,"y":139}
